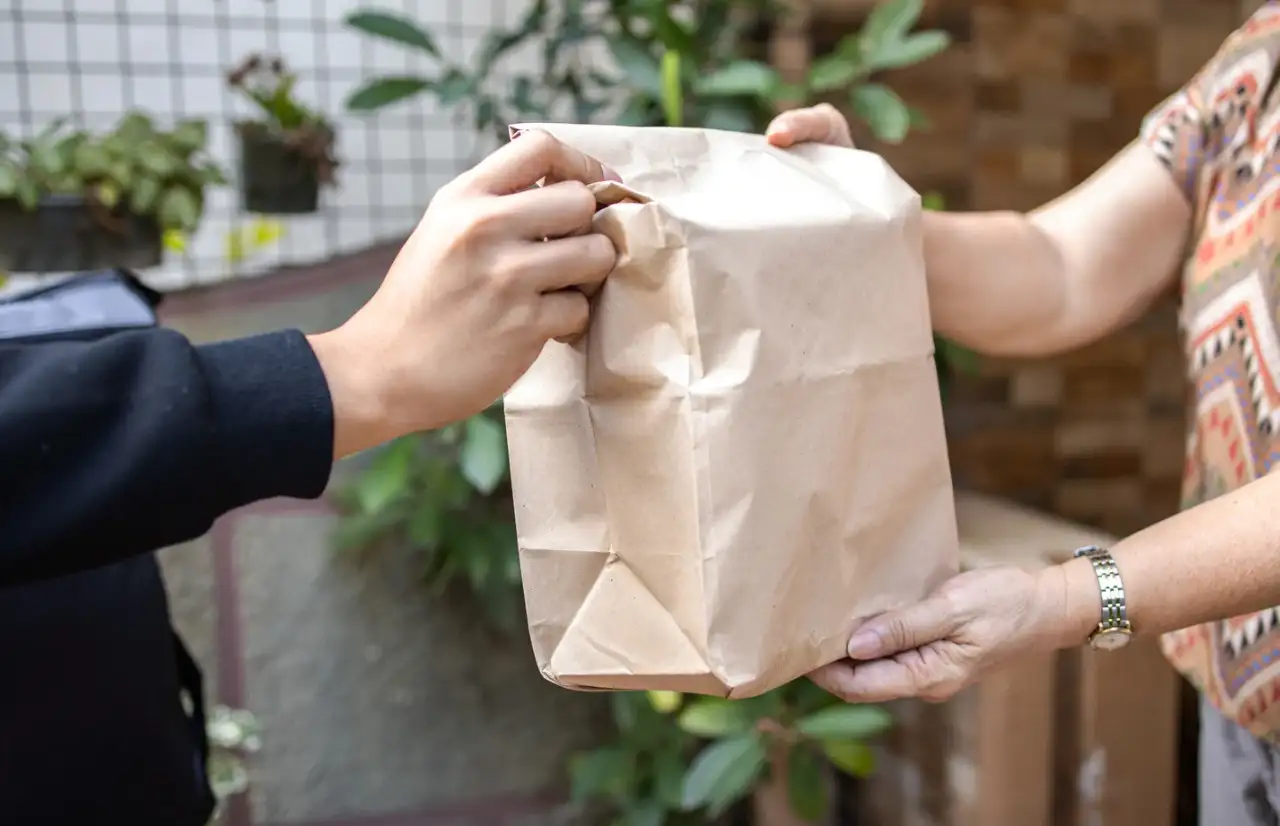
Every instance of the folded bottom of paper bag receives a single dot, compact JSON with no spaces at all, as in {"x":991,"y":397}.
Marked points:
{"x":706,"y":684}
{"x":622,"y":638}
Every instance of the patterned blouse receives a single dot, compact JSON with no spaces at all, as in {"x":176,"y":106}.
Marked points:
{"x":1220,"y":138}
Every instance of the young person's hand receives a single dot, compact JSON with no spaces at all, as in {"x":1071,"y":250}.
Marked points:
{"x":815,"y":124}
{"x":492,"y":272}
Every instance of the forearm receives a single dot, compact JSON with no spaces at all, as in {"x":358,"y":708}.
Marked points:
{"x":997,"y":282}
{"x":1009,"y":284}
{"x":140,"y":440}
{"x":1214,"y":561}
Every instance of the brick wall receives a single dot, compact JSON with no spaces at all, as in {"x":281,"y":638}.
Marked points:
{"x":1035,"y":96}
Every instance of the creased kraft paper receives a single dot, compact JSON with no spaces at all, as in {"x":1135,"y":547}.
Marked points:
{"x":745,"y":454}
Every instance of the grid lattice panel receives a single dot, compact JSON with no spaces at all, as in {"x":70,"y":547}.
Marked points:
{"x":93,"y":60}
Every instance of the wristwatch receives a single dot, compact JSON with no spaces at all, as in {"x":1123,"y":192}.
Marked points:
{"x":1113,"y":629}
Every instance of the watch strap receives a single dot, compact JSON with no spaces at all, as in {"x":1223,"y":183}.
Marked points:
{"x":1115,"y":612}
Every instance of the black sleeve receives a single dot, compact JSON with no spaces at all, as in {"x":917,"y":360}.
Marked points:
{"x":140,"y":440}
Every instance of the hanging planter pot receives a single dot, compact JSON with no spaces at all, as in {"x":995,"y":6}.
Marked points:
{"x":281,"y":173}
{"x":65,"y":233}
{"x":286,"y":154}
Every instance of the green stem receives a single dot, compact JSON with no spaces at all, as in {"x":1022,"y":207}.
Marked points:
{"x":672,"y":89}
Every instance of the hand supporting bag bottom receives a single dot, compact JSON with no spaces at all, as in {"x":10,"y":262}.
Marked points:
{"x":745,"y":455}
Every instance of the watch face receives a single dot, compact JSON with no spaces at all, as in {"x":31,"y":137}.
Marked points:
{"x":1111,"y":640}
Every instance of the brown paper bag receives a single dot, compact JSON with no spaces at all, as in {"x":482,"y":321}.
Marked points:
{"x":745,"y":454}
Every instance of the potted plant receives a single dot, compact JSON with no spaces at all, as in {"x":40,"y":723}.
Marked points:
{"x":286,"y":155}
{"x":71,"y":200}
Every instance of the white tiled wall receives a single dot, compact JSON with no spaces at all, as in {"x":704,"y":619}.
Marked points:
{"x":95,"y":59}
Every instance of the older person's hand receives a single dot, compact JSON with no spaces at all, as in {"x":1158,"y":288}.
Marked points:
{"x":972,"y":624}
{"x":815,"y":124}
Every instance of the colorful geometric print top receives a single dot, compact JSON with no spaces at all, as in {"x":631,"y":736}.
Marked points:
{"x":1220,"y":139}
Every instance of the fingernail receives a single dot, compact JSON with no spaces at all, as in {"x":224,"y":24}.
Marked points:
{"x":610,"y":174}
{"x":864,"y":645}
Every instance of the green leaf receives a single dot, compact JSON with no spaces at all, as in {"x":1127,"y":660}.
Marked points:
{"x":134,"y":128}
{"x":603,"y":773}
{"x":882,"y":110}
{"x":742,"y":77}
{"x":122,"y":173}
{"x":639,"y":67}
{"x":426,"y":523}
{"x":890,"y":21}
{"x":845,"y":722}
{"x":385,"y":91}
{"x":386,"y":477}
{"x":394,"y":27}
{"x":144,"y":195}
{"x":156,"y":159}
{"x":712,"y":717}
{"x":91,"y":160}
{"x":483,"y":458}
{"x":486,"y":114}
{"x":637,"y":112}
{"x":210,"y":174}
{"x":625,"y":710}
{"x":932,"y":201}
{"x":833,"y":72}
{"x":190,"y":135}
{"x":723,"y":773}
{"x":8,"y":179}
{"x":919,"y":120}
{"x":67,"y":148}
{"x":45,"y":160}
{"x":500,"y":42}
{"x":178,"y":209}
{"x":730,"y":116}
{"x":851,"y":757}
{"x":51,"y":129}
{"x":914,"y":49}
{"x":28,"y":193}
{"x":108,"y":194}
{"x":644,"y":813}
{"x":664,"y":702}
{"x":806,"y":784}
{"x":668,"y":777}
{"x":453,"y":87}
{"x":956,"y":357}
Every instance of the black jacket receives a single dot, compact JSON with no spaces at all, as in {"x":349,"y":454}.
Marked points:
{"x":110,"y":449}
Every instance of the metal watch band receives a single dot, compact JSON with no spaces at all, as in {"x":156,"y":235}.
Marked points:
{"x":1115,"y":614}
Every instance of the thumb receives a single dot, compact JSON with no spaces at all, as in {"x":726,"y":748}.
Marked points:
{"x":902,"y":630}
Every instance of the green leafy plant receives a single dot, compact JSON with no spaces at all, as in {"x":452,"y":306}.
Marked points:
{"x":233,"y":734}
{"x":796,"y":735}
{"x":447,"y":495}
{"x":676,"y":63}
{"x":679,"y":758}
{"x":269,"y":85}
{"x":136,"y":169}
{"x":639,"y":777}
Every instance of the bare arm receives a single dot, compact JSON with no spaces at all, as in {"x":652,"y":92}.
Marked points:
{"x":1069,"y":273}
{"x":1218,"y":559}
